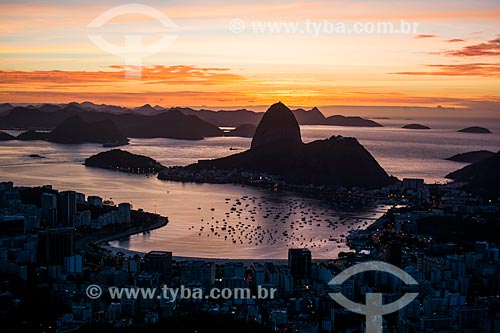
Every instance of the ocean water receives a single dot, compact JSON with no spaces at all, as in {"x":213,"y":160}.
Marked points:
{"x":229,"y":221}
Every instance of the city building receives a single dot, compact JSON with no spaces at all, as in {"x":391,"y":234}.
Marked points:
{"x":124,"y":210}
{"x":49,"y":210}
{"x":94,"y":201}
{"x":68,"y":208}
{"x":299,"y":262}
{"x":54,"y":245}
{"x":159,"y":262}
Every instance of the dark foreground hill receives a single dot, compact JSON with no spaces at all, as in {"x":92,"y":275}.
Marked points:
{"x":472,"y":156}
{"x":277,"y":149}
{"x":481,"y":177}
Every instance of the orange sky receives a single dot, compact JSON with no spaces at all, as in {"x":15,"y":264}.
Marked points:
{"x":452,"y":58}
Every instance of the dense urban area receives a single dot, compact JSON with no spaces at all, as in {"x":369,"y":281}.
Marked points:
{"x":51,"y":256}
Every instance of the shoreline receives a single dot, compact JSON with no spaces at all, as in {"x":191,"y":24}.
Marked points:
{"x":98,"y":240}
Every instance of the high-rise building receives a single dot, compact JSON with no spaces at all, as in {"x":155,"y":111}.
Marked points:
{"x":299,"y":262}
{"x":394,"y":253}
{"x":198,"y":272}
{"x":49,"y":209}
{"x":82,"y":219}
{"x":259,"y":275}
{"x":73,"y":264}
{"x":124,"y":210}
{"x":159,"y":262}
{"x":80,"y":198}
{"x":482,"y":248}
{"x":94,"y":201}
{"x":54,"y":245}
{"x":68,"y":208}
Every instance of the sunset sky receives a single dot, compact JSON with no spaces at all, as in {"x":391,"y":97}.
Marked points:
{"x":453,"y":59}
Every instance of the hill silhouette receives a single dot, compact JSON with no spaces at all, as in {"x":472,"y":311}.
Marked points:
{"x":50,"y":115}
{"x":278,"y":127}
{"x":4,"y":136}
{"x":472,"y":156}
{"x":118,"y":159}
{"x":75,"y":130}
{"x":338,"y":120}
{"x":245,"y":131}
{"x":416,"y":127}
{"x":32,"y":135}
{"x":475,"y":129}
{"x":166,"y":124}
{"x":481,"y":177}
{"x":277,"y":149}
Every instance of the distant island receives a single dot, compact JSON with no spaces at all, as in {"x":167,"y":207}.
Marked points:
{"x":245,"y":131}
{"x":338,"y":120}
{"x":475,"y":129}
{"x":481,"y":177}
{"x":121,"y":160}
{"x":471,"y":157}
{"x":277,"y":149}
{"x":416,"y":127}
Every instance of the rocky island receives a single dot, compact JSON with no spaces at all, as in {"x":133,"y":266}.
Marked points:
{"x":277,"y":149}
{"x":471,"y":157}
{"x":475,"y":129}
{"x":122,"y":160}
{"x":416,"y":127}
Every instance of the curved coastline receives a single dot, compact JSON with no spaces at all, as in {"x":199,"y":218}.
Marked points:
{"x":98,"y":240}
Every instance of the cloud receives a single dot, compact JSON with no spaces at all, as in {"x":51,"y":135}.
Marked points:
{"x":180,"y":74}
{"x":425,"y":36}
{"x":475,"y":69}
{"x":455,"y":40}
{"x":489,"y":48}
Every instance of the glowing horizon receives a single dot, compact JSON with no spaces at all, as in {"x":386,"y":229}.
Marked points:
{"x":452,"y":60}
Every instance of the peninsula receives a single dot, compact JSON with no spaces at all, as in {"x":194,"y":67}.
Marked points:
{"x":277,"y":150}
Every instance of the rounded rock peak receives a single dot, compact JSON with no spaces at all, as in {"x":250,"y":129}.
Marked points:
{"x":278,"y":126}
